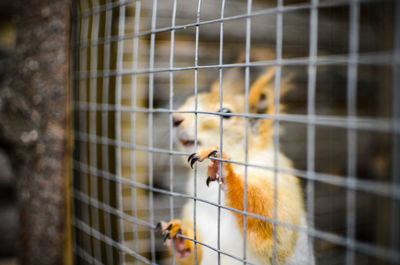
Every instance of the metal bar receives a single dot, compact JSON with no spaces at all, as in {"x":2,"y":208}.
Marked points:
{"x":87,"y":257}
{"x":311,"y":87}
{"x":373,"y":58}
{"x":101,"y":8}
{"x":270,"y":11}
{"x":375,"y":187}
{"x":107,"y":208}
{"x":82,"y":121}
{"x":196,"y":63}
{"x":221,"y":139}
{"x":216,"y":250}
{"x":118,"y":86}
{"x":150,"y":126}
{"x":171,"y":106}
{"x":92,"y":128}
{"x":98,"y":235}
{"x":75,"y":93}
{"x":104,"y":132}
{"x":395,"y":204}
{"x":369,"y":249}
{"x":135,"y":55}
{"x":351,"y":133}
{"x":246,"y":131}
{"x":277,"y":85}
{"x":368,"y":124}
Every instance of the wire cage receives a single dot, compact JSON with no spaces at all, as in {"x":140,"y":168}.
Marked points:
{"x":336,"y":93}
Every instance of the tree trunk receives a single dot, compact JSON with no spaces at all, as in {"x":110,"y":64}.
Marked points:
{"x":33,"y":123}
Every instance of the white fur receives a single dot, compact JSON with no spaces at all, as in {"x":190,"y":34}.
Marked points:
{"x":301,"y":255}
{"x":231,"y":240}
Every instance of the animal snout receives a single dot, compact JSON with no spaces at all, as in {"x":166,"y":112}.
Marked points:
{"x":177,"y":120}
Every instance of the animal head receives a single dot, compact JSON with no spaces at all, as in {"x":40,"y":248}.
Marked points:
{"x":232,"y":111}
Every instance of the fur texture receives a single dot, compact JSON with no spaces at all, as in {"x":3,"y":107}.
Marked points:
{"x":291,"y":246}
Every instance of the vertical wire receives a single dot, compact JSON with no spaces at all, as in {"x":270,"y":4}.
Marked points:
{"x":93,"y":127}
{"x":104,"y":133}
{"x":150,"y":125}
{"x":395,"y":205}
{"x":118,"y":85}
{"x":312,"y":69}
{"x":352,"y":133}
{"x":133,"y":120}
{"x":196,"y":63}
{"x":246,"y":132}
{"x":276,"y":124}
{"x":171,"y":106}
{"x":74,"y":40}
{"x":83,"y":118}
{"x":221,"y":129}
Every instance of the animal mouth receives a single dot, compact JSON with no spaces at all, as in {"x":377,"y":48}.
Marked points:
{"x":189,"y":143}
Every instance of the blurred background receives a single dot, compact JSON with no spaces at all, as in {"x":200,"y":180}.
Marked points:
{"x":8,"y":200}
{"x":121,"y":166}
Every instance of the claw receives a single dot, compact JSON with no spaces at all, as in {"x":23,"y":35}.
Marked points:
{"x":213,"y":153}
{"x":166,"y":237}
{"x":158,"y":226}
{"x":191,"y":156}
{"x":194,"y":160}
{"x":209,"y":179}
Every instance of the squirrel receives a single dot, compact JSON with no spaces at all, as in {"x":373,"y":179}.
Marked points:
{"x":291,"y":245}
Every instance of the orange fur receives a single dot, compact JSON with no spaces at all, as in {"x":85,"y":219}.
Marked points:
{"x":186,"y":227}
{"x":258,"y":89}
{"x":260,"y":201}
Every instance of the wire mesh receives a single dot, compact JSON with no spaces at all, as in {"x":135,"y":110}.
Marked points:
{"x":132,"y":72}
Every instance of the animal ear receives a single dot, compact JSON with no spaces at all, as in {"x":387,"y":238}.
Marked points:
{"x":232,"y":81}
{"x":261,"y":94}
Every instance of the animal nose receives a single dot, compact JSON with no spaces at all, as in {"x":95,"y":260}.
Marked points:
{"x":177,"y":120}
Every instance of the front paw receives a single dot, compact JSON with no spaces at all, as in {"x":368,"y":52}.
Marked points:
{"x":201,"y":154}
{"x":171,"y":232}
{"x":213,"y":172}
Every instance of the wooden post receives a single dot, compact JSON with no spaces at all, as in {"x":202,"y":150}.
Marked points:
{"x":33,"y":122}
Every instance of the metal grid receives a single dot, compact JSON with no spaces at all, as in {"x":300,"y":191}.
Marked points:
{"x":100,"y":145}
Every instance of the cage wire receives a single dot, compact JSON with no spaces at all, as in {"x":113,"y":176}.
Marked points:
{"x":135,"y":63}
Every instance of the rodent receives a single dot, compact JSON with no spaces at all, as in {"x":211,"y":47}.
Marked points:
{"x":291,"y":246}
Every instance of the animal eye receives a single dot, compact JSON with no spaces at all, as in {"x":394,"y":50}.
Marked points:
{"x":224,"y":111}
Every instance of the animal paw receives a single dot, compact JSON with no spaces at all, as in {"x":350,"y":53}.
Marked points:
{"x":171,"y":232}
{"x":213,"y":172}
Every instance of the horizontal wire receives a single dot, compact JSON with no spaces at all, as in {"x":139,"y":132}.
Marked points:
{"x":100,"y":173}
{"x":373,"y":187}
{"x":269,"y":11}
{"x":366,"y":248}
{"x":348,"y":122}
{"x":100,"y":236}
{"x":376,"y":58}
{"x":95,"y":203}
{"x":87,"y":257}
{"x":215,"y":249}
{"x":98,"y":9}
{"x":81,"y":196}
